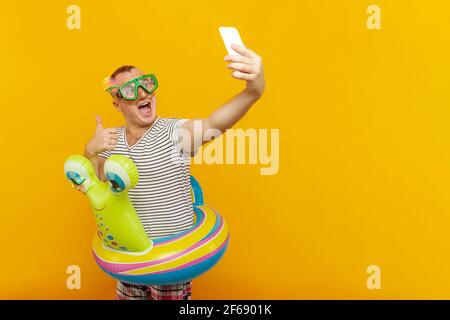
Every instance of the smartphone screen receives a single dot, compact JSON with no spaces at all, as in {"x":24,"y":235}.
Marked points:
{"x":230,"y":35}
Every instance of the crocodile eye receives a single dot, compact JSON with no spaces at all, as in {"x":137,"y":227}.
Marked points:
{"x":116,"y":183}
{"x":117,"y":175}
{"x":75,"y":172}
{"x":75,"y":177}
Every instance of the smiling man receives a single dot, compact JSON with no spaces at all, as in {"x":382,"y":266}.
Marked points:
{"x":162,"y":197}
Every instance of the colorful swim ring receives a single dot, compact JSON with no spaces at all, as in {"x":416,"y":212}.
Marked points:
{"x":121,"y":247}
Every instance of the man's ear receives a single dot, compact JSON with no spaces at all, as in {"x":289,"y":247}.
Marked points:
{"x":116,"y":105}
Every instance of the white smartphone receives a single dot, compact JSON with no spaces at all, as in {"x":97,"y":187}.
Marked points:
{"x":230,"y":35}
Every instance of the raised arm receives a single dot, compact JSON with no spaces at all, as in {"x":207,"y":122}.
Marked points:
{"x":104,"y":139}
{"x":247,"y":67}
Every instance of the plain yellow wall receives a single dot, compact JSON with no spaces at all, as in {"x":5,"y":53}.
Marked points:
{"x":364,"y":141}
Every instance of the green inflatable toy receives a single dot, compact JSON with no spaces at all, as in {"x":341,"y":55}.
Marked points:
{"x":118,"y":225}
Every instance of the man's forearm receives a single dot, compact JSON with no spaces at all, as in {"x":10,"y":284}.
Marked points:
{"x":232,"y":111}
{"x":93,"y":158}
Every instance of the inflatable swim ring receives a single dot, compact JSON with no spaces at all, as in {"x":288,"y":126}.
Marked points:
{"x":121,"y":247}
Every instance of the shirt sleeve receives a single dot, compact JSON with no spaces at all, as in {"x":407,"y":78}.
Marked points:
{"x":105,"y":154}
{"x":175,"y":134}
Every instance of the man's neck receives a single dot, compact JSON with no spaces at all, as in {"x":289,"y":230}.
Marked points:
{"x":137,"y":131}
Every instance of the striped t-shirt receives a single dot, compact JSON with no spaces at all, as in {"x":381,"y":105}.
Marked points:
{"x":162,"y":197}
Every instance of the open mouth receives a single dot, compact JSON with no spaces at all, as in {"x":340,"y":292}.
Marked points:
{"x":145,"y":108}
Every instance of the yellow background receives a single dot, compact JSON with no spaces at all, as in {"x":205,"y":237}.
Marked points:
{"x":364,"y":141}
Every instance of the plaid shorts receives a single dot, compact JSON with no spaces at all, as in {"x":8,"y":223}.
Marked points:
{"x":126,"y":291}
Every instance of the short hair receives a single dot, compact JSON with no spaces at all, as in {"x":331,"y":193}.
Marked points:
{"x":125,"y":68}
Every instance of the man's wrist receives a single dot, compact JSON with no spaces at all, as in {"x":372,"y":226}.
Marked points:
{"x":88,"y":153}
{"x":253,"y":94}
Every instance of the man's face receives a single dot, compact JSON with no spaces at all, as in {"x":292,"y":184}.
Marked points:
{"x":140,"y":112}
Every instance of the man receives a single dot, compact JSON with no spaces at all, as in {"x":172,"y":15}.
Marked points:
{"x":162,"y":197}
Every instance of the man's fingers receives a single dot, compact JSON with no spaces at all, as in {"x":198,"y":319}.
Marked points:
{"x":243,"y":76}
{"x":243,"y":67}
{"x":111,"y":130}
{"x":113,"y":137}
{"x":237,"y":58}
{"x":246,"y":52}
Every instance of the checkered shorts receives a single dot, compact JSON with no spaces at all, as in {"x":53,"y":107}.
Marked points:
{"x":126,"y":291}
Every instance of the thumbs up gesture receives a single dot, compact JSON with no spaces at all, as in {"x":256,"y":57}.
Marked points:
{"x":104,"y":139}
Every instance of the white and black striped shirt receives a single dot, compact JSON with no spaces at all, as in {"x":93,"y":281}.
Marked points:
{"x":162,"y":197}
